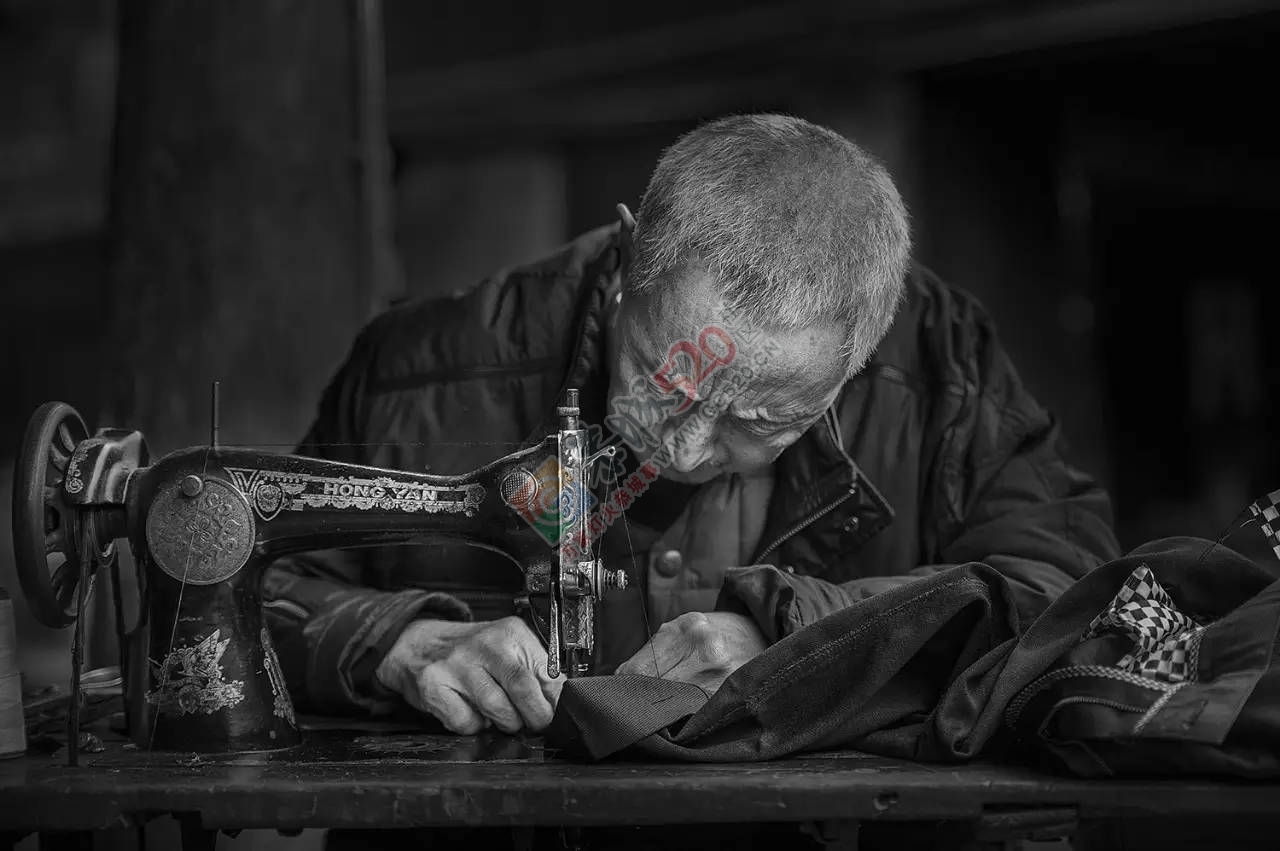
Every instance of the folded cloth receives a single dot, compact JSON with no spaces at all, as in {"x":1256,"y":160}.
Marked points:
{"x":1180,"y":672}
{"x":1162,"y":660}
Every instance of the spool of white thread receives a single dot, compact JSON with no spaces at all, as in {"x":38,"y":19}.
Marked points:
{"x":13,"y":731}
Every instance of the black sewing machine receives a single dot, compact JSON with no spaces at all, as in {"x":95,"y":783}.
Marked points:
{"x":204,"y":522}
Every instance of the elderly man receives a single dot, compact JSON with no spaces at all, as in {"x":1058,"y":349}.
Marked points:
{"x":815,"y":418}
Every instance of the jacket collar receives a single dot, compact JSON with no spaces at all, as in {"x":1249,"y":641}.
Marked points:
{"x":817,"y":481}
{"x":587,"y":369}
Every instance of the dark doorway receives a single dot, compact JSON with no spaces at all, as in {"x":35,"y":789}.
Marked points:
{"x":1189,"y":312}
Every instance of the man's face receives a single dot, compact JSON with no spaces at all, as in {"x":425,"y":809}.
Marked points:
{"x":731,"y":397}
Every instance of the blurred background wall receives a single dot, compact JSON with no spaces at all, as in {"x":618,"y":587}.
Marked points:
{"x":1099,"y":173}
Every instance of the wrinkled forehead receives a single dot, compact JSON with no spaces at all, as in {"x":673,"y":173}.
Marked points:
{"x":690,"y":324}
{"x":787,"y":371}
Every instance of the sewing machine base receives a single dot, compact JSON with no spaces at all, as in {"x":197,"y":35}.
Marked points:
{"x":215,"y":683}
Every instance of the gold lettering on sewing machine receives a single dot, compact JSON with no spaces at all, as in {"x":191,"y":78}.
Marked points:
{"x":201,"y":539}
{"x":273,"y":491}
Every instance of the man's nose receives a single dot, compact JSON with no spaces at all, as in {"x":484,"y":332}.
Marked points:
{"x":692,"y":444}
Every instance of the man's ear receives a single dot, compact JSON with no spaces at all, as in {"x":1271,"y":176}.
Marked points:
{"x":626,"y":233}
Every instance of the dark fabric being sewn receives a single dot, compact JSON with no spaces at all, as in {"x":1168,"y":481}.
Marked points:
{"x":943,"y":670}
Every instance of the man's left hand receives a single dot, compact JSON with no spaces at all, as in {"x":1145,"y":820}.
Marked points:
{"x":699,"y":648}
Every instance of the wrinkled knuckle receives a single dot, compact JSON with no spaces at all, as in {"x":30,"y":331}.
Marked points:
{"x":522,"y":690}
{"x":716,"y":651}
{"x":430,"y":676}
{"x":469,"y":726}
{"x":516,"y":679}
{"x":492,"y":656}
{"x":489,"y":696}
{"x":691,"y":619}
{"x":699,"y":627}
{"x":432,"y":692}
{"x":504,"y":635}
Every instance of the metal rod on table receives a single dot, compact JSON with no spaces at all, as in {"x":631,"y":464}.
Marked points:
{"x":122,"y":641}
{"x":77,"y":654}
{"x":214,"y":414}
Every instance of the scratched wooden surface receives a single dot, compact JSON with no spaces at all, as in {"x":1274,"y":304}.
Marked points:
{"x":360,"y":779}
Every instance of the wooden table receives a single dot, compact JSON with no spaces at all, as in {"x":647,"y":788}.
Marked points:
{"x":383,"y":780}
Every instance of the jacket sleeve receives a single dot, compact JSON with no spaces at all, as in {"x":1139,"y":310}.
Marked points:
{"x":1010,"y":501}
{"x":329,"y":628}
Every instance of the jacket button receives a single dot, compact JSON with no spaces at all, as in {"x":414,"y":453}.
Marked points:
{"x":668,"y":563}
{"x":851,"y":525}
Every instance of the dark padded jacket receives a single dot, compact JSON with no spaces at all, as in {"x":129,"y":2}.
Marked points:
{"x":934,"y":455}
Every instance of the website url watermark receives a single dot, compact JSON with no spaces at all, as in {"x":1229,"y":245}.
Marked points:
{"x":636,"y":420}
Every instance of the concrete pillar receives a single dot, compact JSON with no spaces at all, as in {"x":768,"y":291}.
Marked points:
{"x":235,"y":217}
{"x":240,"y":240}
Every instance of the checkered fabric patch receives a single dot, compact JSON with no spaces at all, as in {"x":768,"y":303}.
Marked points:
{"x":1267,"y":510}
{"x":1166,"y":642}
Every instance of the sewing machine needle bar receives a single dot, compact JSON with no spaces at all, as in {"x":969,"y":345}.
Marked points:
{"x":215,"y":414}
{"x":553,"y":654}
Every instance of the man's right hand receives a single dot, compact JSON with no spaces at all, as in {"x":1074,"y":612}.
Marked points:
{"x":470,"y":674}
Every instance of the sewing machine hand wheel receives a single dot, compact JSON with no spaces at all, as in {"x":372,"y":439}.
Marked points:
{"x":48,"y":530}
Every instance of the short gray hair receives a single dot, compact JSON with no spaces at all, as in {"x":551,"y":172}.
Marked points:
{"x":798,"y":225}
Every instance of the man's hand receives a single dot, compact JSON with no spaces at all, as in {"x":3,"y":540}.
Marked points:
{"x":698,"y":648}
{"x":470,"y":674}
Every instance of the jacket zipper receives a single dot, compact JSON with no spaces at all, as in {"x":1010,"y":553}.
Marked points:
{"x":830,"y":418}
{"x":805,"y":523}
